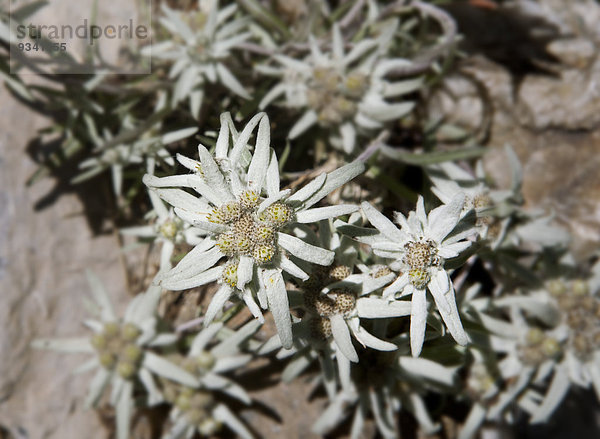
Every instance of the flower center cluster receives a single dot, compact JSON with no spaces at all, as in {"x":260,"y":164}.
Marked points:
{"x":170,"y":228}
{"x":323,"y":306}
{"x":479,"y":382}
{"x":333,"y":97}
{"x":381,"y":272}
{"x":117,"y":349}
{"x":249,"y":233}
{"x":581,"y":313}
{"x":195,"y":404}
{"x":538,"y":347}
{"x":420,"y":256}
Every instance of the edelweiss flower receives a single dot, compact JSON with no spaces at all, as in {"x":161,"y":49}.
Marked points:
{"x":198,"y":409}
{"x":334,"y":300}
{"x":578,"y":333}
{"x":383,"y":385}
{"x":492,"y":207}
{"x":341,"y":91}
{"x":420,"y":248}
{"x":148,"y":149}
{"x":123,"y":355}
{"x":199,"y":55}
{"x":168,"y":229}
{"x":248,"y":220}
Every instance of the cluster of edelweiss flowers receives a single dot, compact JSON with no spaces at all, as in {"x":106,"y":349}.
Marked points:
{"x":376,"y":298}
{"x":254,"y":226}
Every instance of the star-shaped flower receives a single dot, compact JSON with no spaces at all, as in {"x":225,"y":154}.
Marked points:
{"x":345,"y":92}
{"x":420,"y":248}
{"x":250,"y":221}
{"x":202,"y":43}
{"x":167,"y":229}
{"x":124,"y":352}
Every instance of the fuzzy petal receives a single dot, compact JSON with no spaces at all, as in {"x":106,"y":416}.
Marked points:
{"x":279,"y":305}
{"x":418,"y":320}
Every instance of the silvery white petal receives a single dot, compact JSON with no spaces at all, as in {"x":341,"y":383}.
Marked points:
{"x":398,"y":88}
{"x":420,"y":211}
{"x":358,"y":423}
{"x":385,"y":426}
{"x":179,"y":429}
{"x":309,"y":190}
{"x":343,"y":364}
{"x":367,"y":339}
{"x":375,"y":308}
{"x":183,"y":200}
{"x":165,"y":254}
{"x":89,"y":365}
{"x":272,"y":94}
{"x":321,"y":213}
{"x":67,"y":345}
{"x":341,"y":335}
{"x":336,"y":179}
{"x":418,"y":320}
{"x":199,"y":221}
{"x":453,"y":250}
{"x":242,"y":141}
{"x":154,"y":395}
{"x":100,"y":296}
{"x":204,"y":337}
{"x":398,"y":285}
{"x":217,"y":302}
{"x":509,"y":395}
{"x":252,"y":306}
{"x":222,"y":145}
{"x":123,"y":410}
{"x":192,"y":165}
{"x":431,"y":370}
{"x":554,"y":396}
{"x":443,"y":219}
{"x":171,"y":181}
{"x":194,"y":263}
{"x":383,"y":224}
{"x":452,"y":318}
{"x":359,"y":49}
{"x":260,"y":158}
{"x":223,"y":414}
{"x":97,"y":386}
{"x":293,"y":64}
{"x":337,"y":44}
{"x":213,"y":176}
{"x":244,"y":271}
{"x":331,"y":416}
{"x":213,"y":381}
{"x":273,"y":176}
{"x":289,"y":267}
{"x":279,"y":305}
{"x":307,"y":120}
{"x":439,"y":286}
{"x":381,"y":111}
{"x":473,"y":422}
{"x":304,"y":251}
{"x":139,"y":231}
{"x":296,"y":366}
{"x":230,"y":363}
{"x":165,"y":368}
{"x":231,"y":82}
{"x":231,"y":345}
{"x":420,"y":412}
{"x":193,"y":281}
